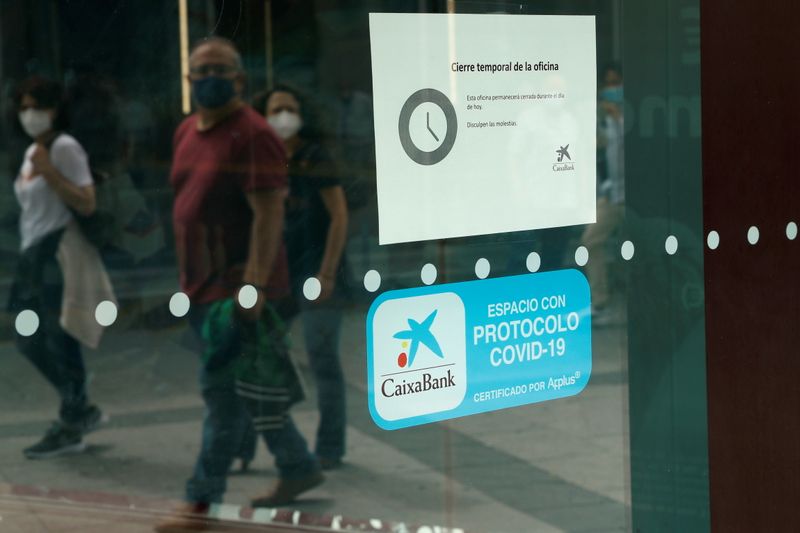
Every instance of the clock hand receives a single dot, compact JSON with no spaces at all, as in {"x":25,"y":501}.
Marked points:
{"x":428,"y":119}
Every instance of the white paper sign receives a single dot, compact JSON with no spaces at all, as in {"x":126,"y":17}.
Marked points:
{"x":483,"y":123}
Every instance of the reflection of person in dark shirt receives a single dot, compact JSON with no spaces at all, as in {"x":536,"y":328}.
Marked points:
{"x":229,"y":177}
{"x":610,"y":197}
{"x":316,"y":231}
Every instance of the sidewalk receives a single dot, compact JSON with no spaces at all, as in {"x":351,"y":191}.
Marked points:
{"x":555,"y":466}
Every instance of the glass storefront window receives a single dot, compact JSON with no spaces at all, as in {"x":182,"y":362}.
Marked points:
{"x":250,"y":209}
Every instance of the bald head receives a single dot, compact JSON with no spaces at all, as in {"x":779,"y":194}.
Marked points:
{"x":218,"y":49}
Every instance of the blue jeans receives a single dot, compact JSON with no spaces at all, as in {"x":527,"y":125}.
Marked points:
{"x":224,"y":427}
{"x":321,"y":327}
{"x":57,"y":356}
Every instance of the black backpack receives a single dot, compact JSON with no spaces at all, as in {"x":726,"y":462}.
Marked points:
{"x":98,"y":228}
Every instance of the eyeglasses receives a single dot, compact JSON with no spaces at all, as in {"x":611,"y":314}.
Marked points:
{"x":212,"y":69}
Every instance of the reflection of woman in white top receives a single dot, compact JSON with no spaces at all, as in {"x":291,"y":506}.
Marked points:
{"x":54,"y":181}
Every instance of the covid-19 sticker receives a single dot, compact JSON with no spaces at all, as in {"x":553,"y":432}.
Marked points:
{"x":452,"y":350}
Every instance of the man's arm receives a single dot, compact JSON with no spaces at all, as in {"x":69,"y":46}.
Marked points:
{"x":265,"y":241}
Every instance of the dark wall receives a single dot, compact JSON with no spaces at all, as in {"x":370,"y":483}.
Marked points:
{"x":751,"y":118}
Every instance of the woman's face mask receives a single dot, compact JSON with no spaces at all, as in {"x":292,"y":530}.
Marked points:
{"x":35,"y":121}
{"x":286,"y":124}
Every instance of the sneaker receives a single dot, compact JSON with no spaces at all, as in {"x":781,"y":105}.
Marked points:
{"x":58,"y":440}
{"x":188,"y":517}
{"x":286,"y":490}
{"x":92,"y":419}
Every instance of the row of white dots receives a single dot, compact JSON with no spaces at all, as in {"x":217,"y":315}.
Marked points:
{"x":428,"y":273}
{"x":27,"y":321}
{"x":753,"y":235}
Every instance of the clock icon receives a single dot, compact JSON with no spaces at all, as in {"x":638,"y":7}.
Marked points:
{"x":427,"y":126}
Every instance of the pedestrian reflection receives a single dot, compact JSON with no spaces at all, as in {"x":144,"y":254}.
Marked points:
{"x":610,"y":195}
{"x":229,"y":177}
{"x":60,"y":278}
{"x":316,"y":231}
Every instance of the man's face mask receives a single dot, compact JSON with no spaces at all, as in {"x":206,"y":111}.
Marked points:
{"x":286,"y":124}
{"x":212,"y":92}
{"x":35,"y":121}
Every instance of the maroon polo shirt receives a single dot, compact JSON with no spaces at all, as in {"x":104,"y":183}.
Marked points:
{"x":212,"y":171}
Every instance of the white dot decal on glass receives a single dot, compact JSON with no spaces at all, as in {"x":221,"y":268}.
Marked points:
{"x":791,"y":231}
{"x":671,"y":245}
{"x":312,"y":288}
{"x":627,"y":250}
{"x":248,"y":296}
{"x":753,"y":235}
{"x":105,"y":313}
{"x":482,"y":268}
{"x":27,"y":323}
{"x":581,"y":256}
{"x":372,"y":280}
{"x":712,"y":240}
{"x":533,"y":262}
{"x":428,"y":274}
{"x":179,"y":304}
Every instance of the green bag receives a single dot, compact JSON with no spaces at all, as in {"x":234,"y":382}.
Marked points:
{"x":257,"y":355}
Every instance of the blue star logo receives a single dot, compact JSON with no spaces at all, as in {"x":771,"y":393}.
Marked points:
{"x":420,"y":333}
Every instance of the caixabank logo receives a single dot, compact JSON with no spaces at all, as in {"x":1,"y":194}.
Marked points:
{"x":418,"y":357}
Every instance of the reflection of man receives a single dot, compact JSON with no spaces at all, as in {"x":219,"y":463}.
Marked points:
{"x":229,"y":177}
{"x":611,"y":191}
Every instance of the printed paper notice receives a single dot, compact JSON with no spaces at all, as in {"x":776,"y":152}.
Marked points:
{"x":483,"y":123}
